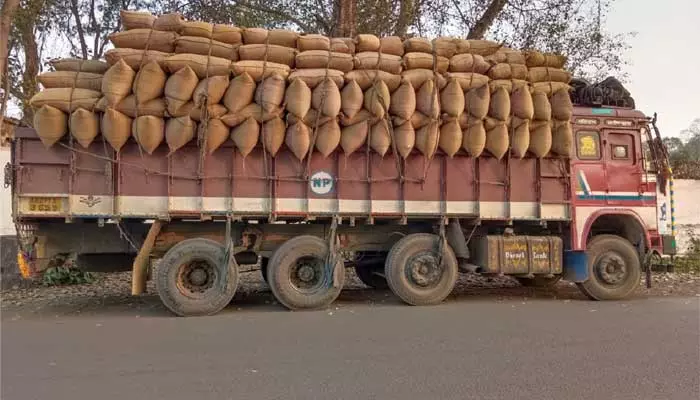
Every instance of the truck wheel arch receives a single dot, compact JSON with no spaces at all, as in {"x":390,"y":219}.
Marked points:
{"x":624,"y":223}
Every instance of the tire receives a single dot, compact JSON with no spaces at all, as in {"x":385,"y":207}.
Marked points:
{"x":298,"y":276}
{"x":614,"y":269}
{"x":205,"y":293}
{"x":415,"y":251}
{"x":372,"y":275}
{"x":539,"y":281}
{"x":263,"y":268}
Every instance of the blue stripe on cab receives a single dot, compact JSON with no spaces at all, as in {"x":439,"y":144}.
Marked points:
{"x":614,"y":197}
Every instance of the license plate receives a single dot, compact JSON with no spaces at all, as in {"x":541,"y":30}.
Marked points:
{"x":45,"y":204}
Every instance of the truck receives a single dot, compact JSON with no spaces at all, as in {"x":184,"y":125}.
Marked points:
{"x":411,"y":225}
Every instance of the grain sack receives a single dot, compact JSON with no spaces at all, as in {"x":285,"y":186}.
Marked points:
{"x":419,"y":120}
{"x":343,"y":45}
{"x":66,"y":100}
{"x":179,"y":88}
{"x":250,"y":111}
{"x":144,"y":39}
{"x":450,"y":138}
{"x":366,"y":77}
{"x":534,"y":58}
{"x":417,"y":45}
{"x":521,"y":103}
{"x":117,"y":81}
{"x":84,"y":126}
{"x":540,"y":138}
{"x":178,"y":132}
{"x":550,"y":87}
{"x":444,"y":47}
{"x":149,"y":82}
{"x":367,"y":42}
{"x":321,"y":59}
{"x":214,"y":111}
{"x":417,"y":77}
{"x":351,"y":99}
{"x":280,"y":37}
{"x":326,"y":98}
{"x":136,"y":19}
{"x":254,"y":35}
{"x":508,"y":71}
{"x":499,"y":107}
{"x":483,"y":47}
{"x":353,"y":137}
{"x":452,"y":98}
{"x":135,"y":58}
{"x":256,"y":69}
{"x":380,"y":137}
{"x":298,"y":139}
{"x":197,"y":28}
{"x":391,"y":45}
{"x":427,"y":139}
{"x":474,"y":138}
{"x":149,"y":132}
{"x":313,"y":76}
{"x":377,"y":99}
{"x":477,"y":100}
{"x":274,"y":53}
{"x":425,"y":61}
{"x":521,"y":138}
{"x":228,"y":34}
{"x":542,"y":110}
{"x":427,"y":100}
{"x":508,"y":84}
{"x":240,"y":92}
{"x":373,"y":60}
{"x":328,"y":138}
{"x":246,"y":135}
{"x":312,"y":118}
{"x":362,"y":115}
{"x":469,"y":63}
{"x":562,"y":107}
{"x":203,"y":66}
{"x":115,"y":128}
{"x":562,"y":137}
{"x":507,"y":56}
{"x":405,"y":139}
{"x":313,"y":42}
{"x":172,"y":22}
{"x":204,"y":46}
{"x":51,"y":124}
{"x":547,"y":74}
{"x":79,"y":65}
{"x":270,"y":92}
{"x":403,"y":101}
{"x":128,"y":106}
{"x":272,"y":133}
{"x":297,"y":98}
{"x":497,"y":141}
{"x":68,"y":79}
{"x":469,"y":80}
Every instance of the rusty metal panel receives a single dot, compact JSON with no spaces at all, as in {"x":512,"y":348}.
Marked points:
{"x":518,"y":255}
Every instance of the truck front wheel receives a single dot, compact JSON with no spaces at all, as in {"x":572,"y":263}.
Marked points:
{"x":614,"y":269}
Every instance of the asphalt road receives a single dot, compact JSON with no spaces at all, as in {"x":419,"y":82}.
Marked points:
{"x":465,"y":349}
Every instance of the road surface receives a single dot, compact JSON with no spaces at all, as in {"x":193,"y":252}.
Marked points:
{"x":464,"y":349}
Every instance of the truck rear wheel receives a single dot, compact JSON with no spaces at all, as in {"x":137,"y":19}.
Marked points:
{"x":414,"y":271}
{"x":614,"y":269}
{"x":299,"y":277}
{"x":193,"y":280}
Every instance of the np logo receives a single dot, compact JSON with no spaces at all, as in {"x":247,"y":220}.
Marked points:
{"x":321,"y":182}
{"x":90,"y":200}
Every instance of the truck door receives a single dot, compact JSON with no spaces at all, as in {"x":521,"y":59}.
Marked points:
{"x":622,"y":155}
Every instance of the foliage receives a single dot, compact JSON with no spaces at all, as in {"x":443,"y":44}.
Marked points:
{"x":66,"y":275}
{"x":684,"y":152}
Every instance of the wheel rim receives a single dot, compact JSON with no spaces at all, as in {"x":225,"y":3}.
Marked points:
{"x":306,"y":274}
{"x":423,"y":270}
{"x":611,"y":269}
{"x":196,"y":278}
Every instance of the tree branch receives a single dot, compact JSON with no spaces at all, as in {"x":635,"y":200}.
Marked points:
{"x":79,"y":27}
{"x":482,"y":25}
{"x":277,"y":13}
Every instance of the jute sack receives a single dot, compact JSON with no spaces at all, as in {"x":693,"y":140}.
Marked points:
{"x":342,"y":45}
{"x":228,"y":34}
{"x":298,"y":139}
{"x":240,"y":92}
{"x":280,"y":37}
{"x":149,"y":82}
{"x":562,"y":107}
{"x":391,"y":45}
{"x":203,"y":66}
{"x":201,"y":45}
{"x":115,"y":128}
{"x":497,"y":141}
{"x":326,"y":98}
{"x":128,"y":106}
{"x":469,"y":80}
{"x":418,"y":120}
{"x":256,"y":69}
{"x":547,"y":74}
{"x":377,"y":99}
{"x":427,"y":100}
{"x":142,"y":39}
{"x":540,"y":138}
{"x":490,"y":123}
{"x":379,"y":137}
{"x":313,"y":42}
{"x":179,"y":88}
{"x":172,"y":22}
{"x":403,"y":101}
{"x":270,"y":92}
{"x":210,"y":90}
{"x":534,"y":58}
{"x":499,"y":107}
{"x":507,"y":56}
{"x":362,"y":115}
{"x":312,"y":118}
{"x":149,"y":132}
{"x":367,"y":42}
{"x":427,"y":139}
{"x":214,"y":111}
{"x":508,"y":71}
{"x":550,"y":87}
{"x":178,"y":132}
{"x":542,"y":109}
{"x":321,"y":59}
{"x":351,"y":99}
{"x":366,"y":77}
{"x":562,"y":137}
{"x":66,"y":100}
{"x":405,"y":139}
{"x":79,"y":65}
{"x":313,"y":76}
{"x":452,"y":98}
{"x":477,"y":100}
{"x":272,"y":133}
{"x":352,"y":137}
{"x":508,"y":84}
{"x":250,"y":111}
{"x":136,"y":19}
{"x":520,"y":142}
{"x":417,"y":77}
{"x":425,"y":61}
{"x":445,"y":46}
{"x":51,"y":124}
{"x":374,"y":60}
{"x":297,"y":98}
{"x":246,"y":135}
{"x":450,"y":138}
{"x":68,"y":79}
{"x":521,"y":103}
{"x":117,"y":81}
{"x":469,"y":63}
{"x":84,"y":126}
{"x":483,"y":47}
{"x":417,"y":45}
{"x":275,"y":53}
{"x":328,"y":138}
{"x":197,"y":28}
{"x":135,"y":58}
{"x":474,"y":138}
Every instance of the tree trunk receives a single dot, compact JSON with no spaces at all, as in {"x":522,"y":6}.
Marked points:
{"x":482,"y":25}
{"x":344,"y":18}
{"x":407,"y":14}
{"x":8,"y":10}
{"x":32,"y":64}
{"x":79,"y":28}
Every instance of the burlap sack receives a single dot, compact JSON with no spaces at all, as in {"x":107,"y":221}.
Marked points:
{"x":562,"y":107}
{"x":469,"y":80}
{"x":417,"y":77}
{"x":240,"y":93}
{"x":246,"y":135}
{"x":214,"y":111}
{"x":352,"y":137}
{"x":117,"y":81}
{"x":540,"y":138}
{"x":520,"y":138}
{"x":403,"y":101}
{"x":203,"y":66}
{"x":66,"y":100}
{"x":68,"y":79}
{"x":547,"y":74}
{"x":328,"y":138}
{"x":149,"y":132}
{"x":405,"y":139}
{"x":179,"y":88}
{"x":216,"y":133}
{"x":250,"y":111}
{"x":144,"y":39}
{"x":497,"y":140}
{"x":115,"y":128}
{"x":270,"y":92}
{"x":374,"y":60}
{"x":51,"y":124}
{"x":343,"y":45}
{"x":274,"y":53}
{"x":178,"y":132}
{"x":256,"y":69}
{"x":446,"y":46}
{"x":84,"y":126}
{"x":197,"y":29}
{"x":79,"y":65}
{"x":367,"y":42}
{"x":377,"y":99}
{"x":351,"y":99}
{"x":172,"y":22}
{"x":312,"y":118}
{"x":136,"y":19}
{"x":562,"y":138}
{"x":128,"y":106}
{"x":149,"y":82}
{"x":210,"y":90}
{"x":204,"y":46}
{"x":280,"y":37}
{"x":550,"y":87}
{"x":297,"y":98}
{"x":418,"y":120}
{"x":427,"y":139}
{"x":321,"y":59}
{"x":542,"y":109}
{"x":272,"y":133}
{"x":483,"y":47}
{"x":499,"y":107}
{"x":362,"y":115}
{"x":298,"y":139}
{"x":508,"y":71}
{"x":474,"y":138}
{"x":427,"y":100}
{"x":313,"y":76}
{"x":326,"y":98}
{"x":469,"y":63}
{"x":452,"y":98}
{"x":534,"y":58}
{"x":135,"y":58}
{"x":228,"y":34}
{"x":391,"y":45}
{"x":380,"y":137}
{"x":508,"y":84}
{"x":425,"y":61}
{"x":313,"y":42}
{"x":521,"y":103}
{"x":366,"y":77}
{"x":477,"y":100}
{"x":450,"y":138}
{"x":417,"y":45}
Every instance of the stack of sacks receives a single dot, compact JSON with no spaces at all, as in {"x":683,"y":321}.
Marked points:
{"x":266,"y":52}
{"x":546,"y":75}
{"x":376,"y":60}
{"x":470,"y":69}
{"x":73,"y":88}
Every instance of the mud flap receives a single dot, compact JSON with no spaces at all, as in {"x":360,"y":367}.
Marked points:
{"x":575,"y":266}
